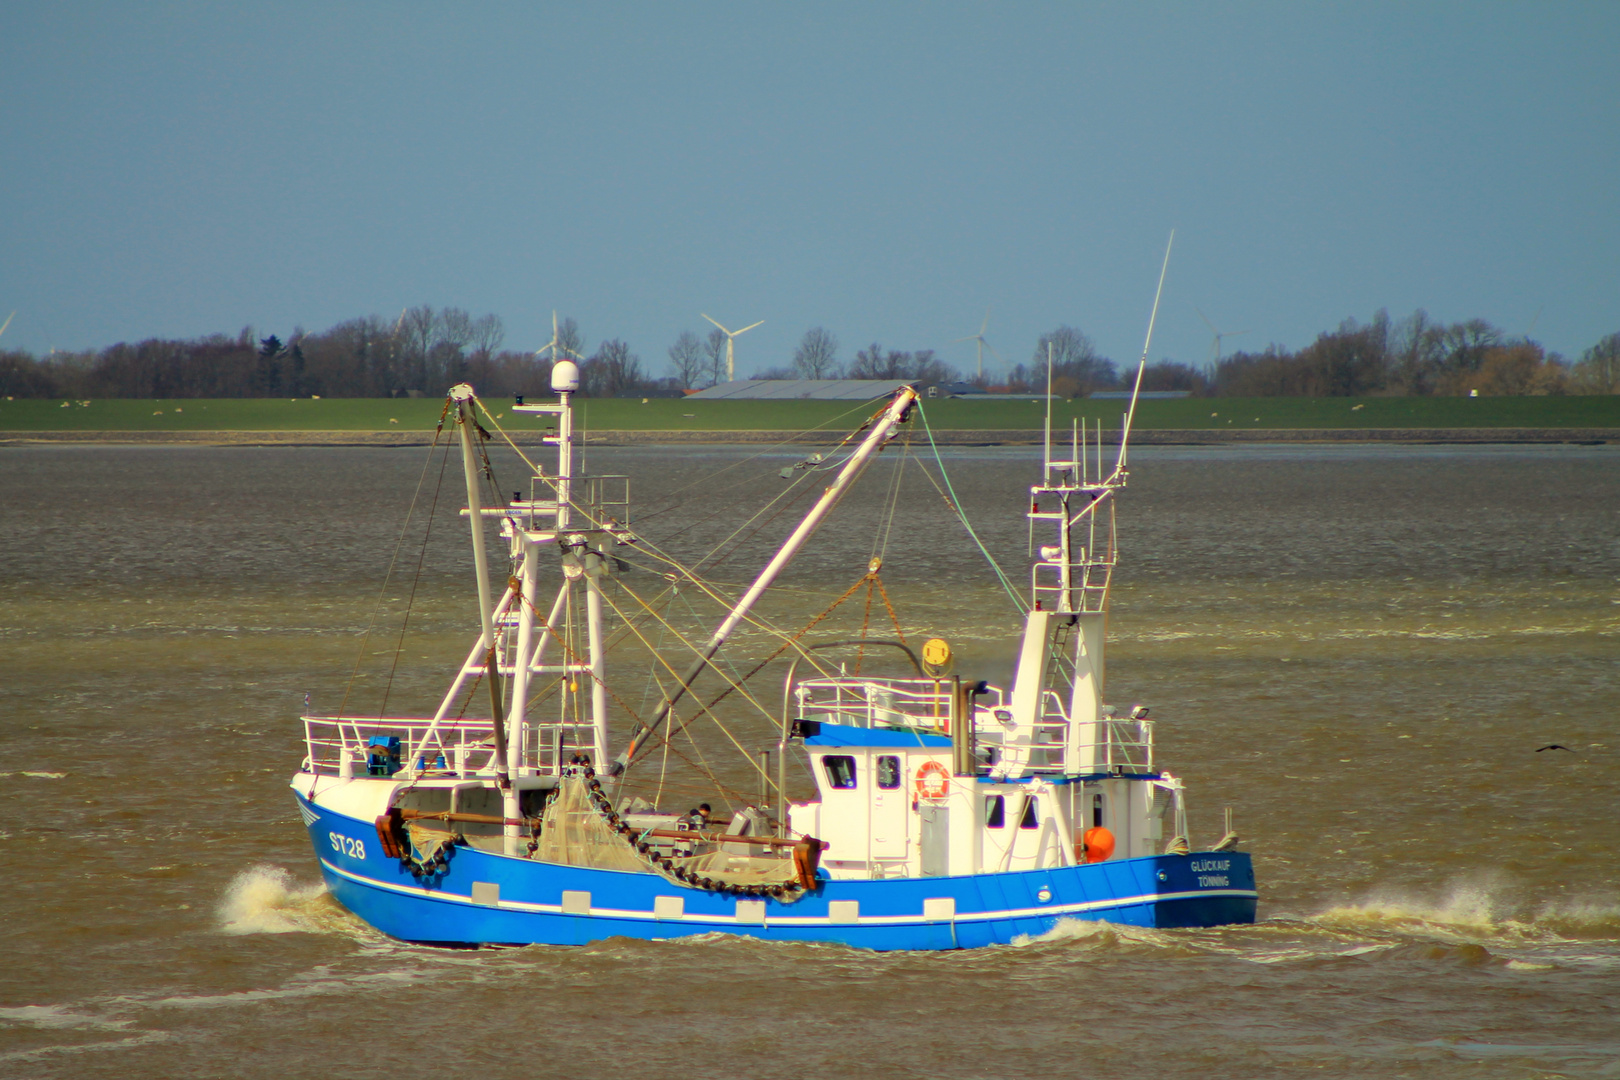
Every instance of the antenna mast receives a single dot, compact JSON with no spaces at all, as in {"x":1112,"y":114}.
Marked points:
{"x":1141,"y":366}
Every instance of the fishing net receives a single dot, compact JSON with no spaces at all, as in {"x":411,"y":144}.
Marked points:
{"x":576,"y":832}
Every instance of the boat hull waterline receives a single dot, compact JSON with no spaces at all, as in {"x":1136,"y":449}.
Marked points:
{"x":488,"y":898}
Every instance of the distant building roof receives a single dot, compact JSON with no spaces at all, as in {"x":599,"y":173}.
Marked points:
{"x":1146,"y":395}
{"x":1031,"y":396}
{"x":813,"y":389}
{"x":967,"y":391}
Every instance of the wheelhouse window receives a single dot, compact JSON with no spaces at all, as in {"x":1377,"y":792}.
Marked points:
{"x":1028,"y":821}
{"x":840,"y":770}
{"x":888,"y":772}
{"x":995,"y":812}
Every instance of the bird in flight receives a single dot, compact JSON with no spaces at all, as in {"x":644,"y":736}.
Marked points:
{"x":1552,"y":746}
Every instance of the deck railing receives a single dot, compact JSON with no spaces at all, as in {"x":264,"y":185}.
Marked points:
{"x":923,"y":704}
{"x":1116,"y":744}
{"x":1125,"y":746}
{"x":462,"y":747}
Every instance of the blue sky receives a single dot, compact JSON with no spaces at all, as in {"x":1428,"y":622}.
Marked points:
{"x":886,"y":171}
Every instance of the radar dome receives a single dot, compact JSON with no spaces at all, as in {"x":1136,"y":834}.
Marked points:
{"x":565,"y":376}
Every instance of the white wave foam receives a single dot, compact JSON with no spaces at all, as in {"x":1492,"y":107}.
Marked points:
{"x":1479,"y":909}
{"x":1583,"y":919}
{"x":38,"y":775}
{"x":58,"y":1017}
{"x":384,"y":980}
{"x":1097,"y":934}
{"x":265,"y":900}
{"x":146,"y":1039}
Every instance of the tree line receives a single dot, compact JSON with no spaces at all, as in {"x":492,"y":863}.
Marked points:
{"x":1417,"y":356}
{"x":425,"y":351}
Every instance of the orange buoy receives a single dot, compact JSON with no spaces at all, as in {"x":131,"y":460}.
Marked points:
{"x":1099,"y":844}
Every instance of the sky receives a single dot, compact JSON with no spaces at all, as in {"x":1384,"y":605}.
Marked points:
{"x":888,"y":171}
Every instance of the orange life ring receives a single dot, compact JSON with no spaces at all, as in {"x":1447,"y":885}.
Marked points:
{"x":933,"y":780}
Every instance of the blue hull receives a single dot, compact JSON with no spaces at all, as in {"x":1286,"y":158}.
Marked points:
{"x":521,"y":902}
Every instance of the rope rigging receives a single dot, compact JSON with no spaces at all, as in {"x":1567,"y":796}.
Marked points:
{"x":657,"y":608}
{"x":955,"y":505}
{"x":388,"y":575}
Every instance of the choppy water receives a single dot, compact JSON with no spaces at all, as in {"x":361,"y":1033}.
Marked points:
{"x":1358,"y":649}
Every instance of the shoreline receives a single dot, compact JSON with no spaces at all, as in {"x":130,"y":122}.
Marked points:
{"x":955,"y":437}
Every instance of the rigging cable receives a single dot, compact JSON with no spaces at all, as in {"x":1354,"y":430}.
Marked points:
{"x":656,"y":553}
{"x":416,"y":579}
{"x":956,"y":505}
{"x":388,"y":576}
{"x":880,"y":538}
{"x":570,"y":653}
{"x":641,"y":543}
{"x":757,"y":668}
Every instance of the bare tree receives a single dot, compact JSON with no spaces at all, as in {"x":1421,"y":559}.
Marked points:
{"x":920,"y":368}
{"x":1414,"y":354}
{"x":817,"y":355}
{"x":486,"y":335}
{"x":1598,"y":371}
{"x":714,"y":354}
{"x":1461,"y":348}
{"x":570,"y":342}
{"x":612,"y":371}
{"x":687,"y":359}
{"x":416,"y":331}
{"x":1171,"y":375}
{"x":1350,"y":361}
{"x":455,"y":328}
{"x":417,"y":328}
{"x":1077,"y":367}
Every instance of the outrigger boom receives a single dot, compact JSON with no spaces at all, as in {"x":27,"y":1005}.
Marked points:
{"x":883,"y":427}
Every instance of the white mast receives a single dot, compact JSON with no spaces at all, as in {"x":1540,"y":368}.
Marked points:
{"x":581,"y":560}
{"x":462,"y":395}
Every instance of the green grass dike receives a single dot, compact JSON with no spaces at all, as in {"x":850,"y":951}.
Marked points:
{"x":667,"y":414}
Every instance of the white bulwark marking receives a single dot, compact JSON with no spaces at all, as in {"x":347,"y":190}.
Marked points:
{"x":487,"y":893}
{"x":576,"y":903}
{"x":307,"y":814}
{"x":669,"y":907}
{"x":751,"y":912}
{"x":843,"y":911}
{"x":939,"y":908}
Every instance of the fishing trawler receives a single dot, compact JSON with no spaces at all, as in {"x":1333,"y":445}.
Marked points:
{"x":947,"y":813}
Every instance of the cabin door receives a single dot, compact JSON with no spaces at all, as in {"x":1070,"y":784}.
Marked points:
{"x":935,"y":838}
{"x":891,"y":807}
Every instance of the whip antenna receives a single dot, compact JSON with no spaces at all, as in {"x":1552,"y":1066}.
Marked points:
{"x":1130,"y":415}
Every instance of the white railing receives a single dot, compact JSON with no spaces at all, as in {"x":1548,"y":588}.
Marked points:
{"x":342,"y":745}
{"x":1117,"y":744}
{"x":923,"y":704}
{"x":1126,"y":745}
{"x":1088,"y":583}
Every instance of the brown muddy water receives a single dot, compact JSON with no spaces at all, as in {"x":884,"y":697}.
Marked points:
{"x":1357,"y":649}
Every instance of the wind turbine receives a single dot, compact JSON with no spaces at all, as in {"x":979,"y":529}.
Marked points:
{"x":553,"y":347}
{"x":731,"y":337}
{"x":1215,"y":345}
{"x":983,"y":344}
